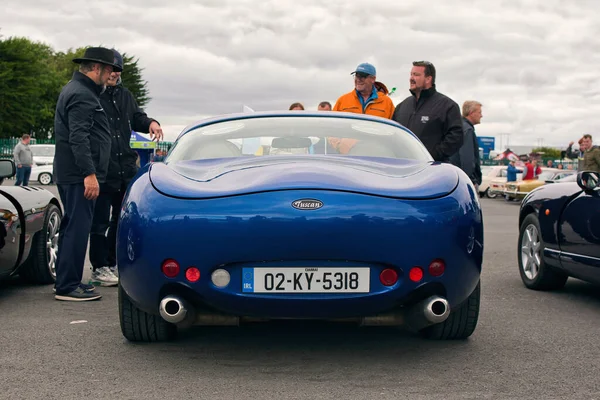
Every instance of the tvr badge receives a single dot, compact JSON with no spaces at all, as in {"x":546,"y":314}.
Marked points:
{"x":307,"y":204}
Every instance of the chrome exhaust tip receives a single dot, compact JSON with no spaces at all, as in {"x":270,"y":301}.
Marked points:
{"x":433,"y":310}
{"x":172,"y":309}
{"x":436,"y":309}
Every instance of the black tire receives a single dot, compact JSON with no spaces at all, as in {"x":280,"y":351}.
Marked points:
{"x":460,"y":324}
{"x":490,"y":195}
{"x":139,"y":326}
{"x":41,"y":265}
{"x":547,"y":277}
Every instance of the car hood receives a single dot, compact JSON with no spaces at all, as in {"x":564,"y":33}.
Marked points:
{"x":27,"y":197}
{"x":376,"y":176}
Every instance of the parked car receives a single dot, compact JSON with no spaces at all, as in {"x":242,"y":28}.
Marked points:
{"x":559,"y":233}
{"x":497,"y":183}
{"x":519,"y":189}
{"x":42,"y":174}
{"x":30,"y":218}
{"x":299,"y":228}
{"x":43,"y":154}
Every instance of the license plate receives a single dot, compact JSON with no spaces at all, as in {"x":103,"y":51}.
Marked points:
{"x":306,"y":280}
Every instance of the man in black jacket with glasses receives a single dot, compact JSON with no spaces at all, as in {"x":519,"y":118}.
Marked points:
{"x":432,"y":116}
{"x":124,"y":115}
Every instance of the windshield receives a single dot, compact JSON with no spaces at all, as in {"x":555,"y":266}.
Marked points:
{"x":42,"y":151}
{"x":265,"y":136}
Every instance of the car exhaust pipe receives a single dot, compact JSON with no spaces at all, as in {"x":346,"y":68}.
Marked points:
{"x":173,"y":309}
{"x":433,"y":310}
{"x":436,"y":309}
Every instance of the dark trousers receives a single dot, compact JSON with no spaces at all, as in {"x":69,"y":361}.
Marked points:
{"x":73,"y":237}
{"x":103,"y":234}
{"x":23,"y":175}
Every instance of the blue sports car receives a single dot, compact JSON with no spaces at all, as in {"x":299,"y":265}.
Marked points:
{"x":299,"y":215}
{"x":560,"y":233}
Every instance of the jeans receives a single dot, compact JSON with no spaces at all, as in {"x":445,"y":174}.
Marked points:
{"x":23,"y":174}
{"x":73,"y":237}
{"x":103,"y":234}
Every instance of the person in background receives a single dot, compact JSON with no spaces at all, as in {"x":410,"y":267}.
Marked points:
{"x":296,"y":106}
{"x":363,"y":99}
{"x":432,"y":116}
{"x":512,"y":171}
{"x":468,"y":155}
{"x":83,"y":146}
{"x":532,"y":170}
{"x":324,"y":106}
{"x":23,"y":160}
{"x":159,"y":156}
{"x":591,"y":157}
{"x":124,"y":115}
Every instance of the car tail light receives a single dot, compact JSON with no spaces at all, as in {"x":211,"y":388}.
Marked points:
{"x":415,"y":274}
{"x":437,"y":267}
{"x":192,"y":274}
{"x":388,"y":277}
{"x":170,"y":268}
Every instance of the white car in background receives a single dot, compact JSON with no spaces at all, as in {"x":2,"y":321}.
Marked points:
{"x":496,"y":173}
{"x":43,"y":154}
{"x":42,"y":174}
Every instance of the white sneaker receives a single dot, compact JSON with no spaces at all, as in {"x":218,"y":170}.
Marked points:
{"x":104,"y":277}
{"x":115,"y":271}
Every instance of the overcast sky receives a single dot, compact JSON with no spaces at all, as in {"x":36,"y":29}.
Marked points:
{"x":535,"y":64}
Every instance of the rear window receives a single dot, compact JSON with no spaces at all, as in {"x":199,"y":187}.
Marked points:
{"x":301,"y":136}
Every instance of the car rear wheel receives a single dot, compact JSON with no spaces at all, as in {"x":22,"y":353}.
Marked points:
{"x":461,"y":323}
{"x":490,"y":195}
{"x":45,"y":178}
{"x":534,"y":271}
{"x":139,"y":326}
{"x":41,"y":265}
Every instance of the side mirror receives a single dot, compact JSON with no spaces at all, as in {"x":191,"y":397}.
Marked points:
{"x":588,"y":180}
{"x":7,"y":168}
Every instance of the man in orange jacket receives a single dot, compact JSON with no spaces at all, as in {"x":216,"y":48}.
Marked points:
{"x":364,"y":99}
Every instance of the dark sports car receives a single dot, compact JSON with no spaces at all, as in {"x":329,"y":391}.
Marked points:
{"x":289,"y":215}
{"x":560,"y":233}
{"x":29,"y":222}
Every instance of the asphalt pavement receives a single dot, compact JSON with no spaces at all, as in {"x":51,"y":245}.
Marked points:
{"x":528,"y":345}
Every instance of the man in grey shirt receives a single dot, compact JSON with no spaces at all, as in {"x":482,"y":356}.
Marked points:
{"x":23,"y":160}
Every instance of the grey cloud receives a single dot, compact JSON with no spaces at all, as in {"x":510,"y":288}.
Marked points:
{"x":534,"y":64}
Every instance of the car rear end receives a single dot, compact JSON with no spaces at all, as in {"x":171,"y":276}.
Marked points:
{"x":319,"y":254}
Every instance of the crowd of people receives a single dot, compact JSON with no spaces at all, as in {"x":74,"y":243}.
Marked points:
{"x":436,"y":119}
{"x":94,"y":163}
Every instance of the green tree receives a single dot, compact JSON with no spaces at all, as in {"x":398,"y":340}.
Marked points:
{"x":26,"y":86}
{"x":132,"y":80}
{"x":32,"y":75}
{"x":547,"y":152}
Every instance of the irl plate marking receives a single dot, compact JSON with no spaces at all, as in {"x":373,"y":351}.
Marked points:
{"x":247,"y":280}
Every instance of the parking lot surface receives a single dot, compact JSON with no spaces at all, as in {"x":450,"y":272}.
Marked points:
{"x":528,"y":345}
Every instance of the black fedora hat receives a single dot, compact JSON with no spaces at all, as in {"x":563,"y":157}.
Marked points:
{"x":101,"y":55}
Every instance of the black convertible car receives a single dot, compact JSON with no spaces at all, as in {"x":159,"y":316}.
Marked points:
{"x":29,"y":222}
{"x":560,"y":233}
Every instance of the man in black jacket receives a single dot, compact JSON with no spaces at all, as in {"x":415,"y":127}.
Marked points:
{"x":124,"y":115}
{"x":80,"y":164}
{"x":432,"y":116}
{"x":467,"y":158}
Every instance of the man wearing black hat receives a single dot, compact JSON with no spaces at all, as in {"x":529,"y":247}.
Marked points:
{"x":81,"y":158}
{"x":124,"y":115}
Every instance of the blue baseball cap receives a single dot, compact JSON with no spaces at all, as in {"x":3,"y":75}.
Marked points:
{"x":365,"y":68}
